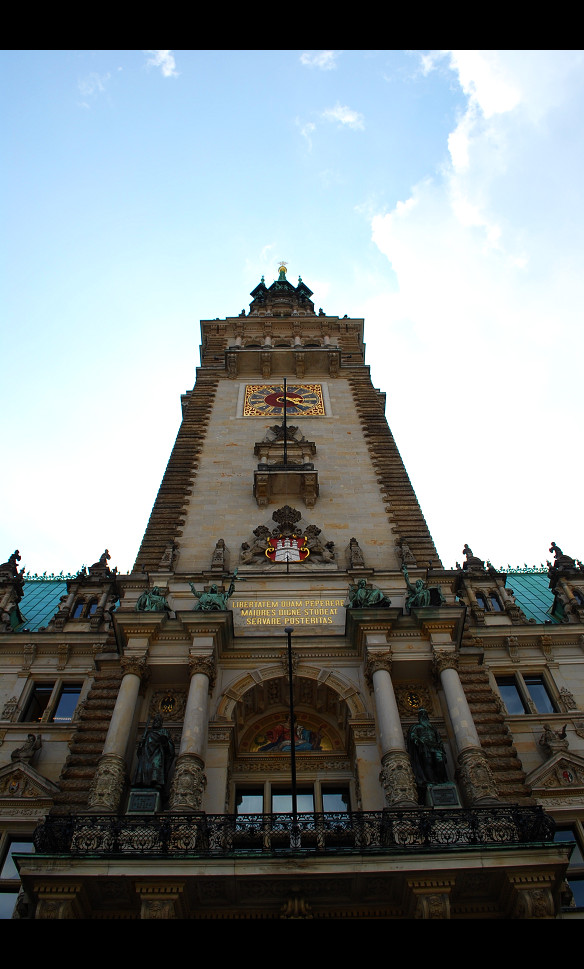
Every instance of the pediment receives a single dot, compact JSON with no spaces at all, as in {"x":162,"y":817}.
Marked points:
{"x":561,"y":774}
{"x":20,"y":782}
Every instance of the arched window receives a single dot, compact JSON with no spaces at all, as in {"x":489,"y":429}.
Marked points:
{"x":495,"y":604}
{"x":481,"y":601}
{"x":92,"y":607}
{"x":78,"y":609}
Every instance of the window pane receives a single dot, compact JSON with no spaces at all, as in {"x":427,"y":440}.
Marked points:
{"x":577,"y":886}
{"x":539,"y":694}
{"x":495,"y":604}
{"x":67,"y":703}
{"x":568,"y":834}
{"x":510,"y":695}
{"x":335,"y":800}
{"x":282,"y":801}
{"x":249,"y":802}
{"x":7,"y":903}
{"x":38,"y":702}
{"x":16,"y":847}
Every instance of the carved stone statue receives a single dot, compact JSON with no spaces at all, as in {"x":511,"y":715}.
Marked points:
{"x":169,"y":557}
{"x":360,"y":597}
{"x":473,"y":563}
{"x":213,"y":600}
{"x":426,"y":751}
{"x":26,"y":753}
{"x":10,"y":567}
{"x":218,"y":559}
{"x":152,"y":601}
{"x":561,"y":561}
{"x":155,"y":756}
{"x":553,"y":741}
{"x":355,"y":555}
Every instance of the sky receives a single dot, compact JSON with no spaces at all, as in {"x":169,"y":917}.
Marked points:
{"x":436,"y":193}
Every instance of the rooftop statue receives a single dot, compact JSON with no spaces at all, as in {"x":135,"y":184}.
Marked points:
{"x":561,"y":561}
{"x":152,"y":601}
{"x":155,"y":756}
{"x":360,"y":597}
{"x":213,"y":600}
{"x":426,"y":751}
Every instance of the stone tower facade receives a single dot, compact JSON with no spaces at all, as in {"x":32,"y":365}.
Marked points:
{"x":287,"y":563}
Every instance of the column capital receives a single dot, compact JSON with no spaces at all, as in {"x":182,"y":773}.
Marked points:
{"x":444,"y":659}
{"x":377,"y":660}
{"x":136,"y":665}
{"x":205,"y":663}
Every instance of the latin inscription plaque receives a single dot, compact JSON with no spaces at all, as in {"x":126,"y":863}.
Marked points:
{"x":309,"y":615}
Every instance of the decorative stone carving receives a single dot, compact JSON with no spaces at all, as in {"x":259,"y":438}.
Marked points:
{"x":29,"y":655}
{"x":219,"y":557}
{"x":169,"y":704}
{"x":188,"y":784}
{"x":355,"y":559}
{"x":169,"y":557}
{"x":404,"y":553}
{"x":206,"y":665}
{"x":28,"y":751}
{"x":512,"y":644}
{"x":377,"y":660}
{"x":444,"y":660}
{"x":567,"y":699}
{"x":475,"y":776}
{"x":411,"y":697}
{"x":108,"y":784}
{"x":553,"y":741}
{"x":397,"y":779}
{"x":296,"y":908}
{"x":284,"y":542}
{"x":136,"y":665}
{"x":9,"y":709}
{"x":545,"y":643}
{"x":530,"y":900}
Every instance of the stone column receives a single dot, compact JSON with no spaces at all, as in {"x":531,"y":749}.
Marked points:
{"x":396,"y":776}
{"x":108,"y":784}
{"x":189,"y":781}
{"x":473,"y":770}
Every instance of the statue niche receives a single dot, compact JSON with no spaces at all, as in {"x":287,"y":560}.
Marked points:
{"x":285,"y":466}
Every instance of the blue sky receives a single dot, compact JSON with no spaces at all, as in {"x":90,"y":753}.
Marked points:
{"x":436,"y":193}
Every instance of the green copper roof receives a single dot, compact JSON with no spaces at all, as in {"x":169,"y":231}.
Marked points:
{"x":532,"y":594}
{"x":41,"y":601}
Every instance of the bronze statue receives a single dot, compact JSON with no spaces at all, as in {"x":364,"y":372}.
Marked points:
{"x":213,"y":600}
{"x":426,"y":751}
{"x":360,"y":597}
{"x":418,"y":594}
{"x":152,"y":601}
{"x":155,"y":756}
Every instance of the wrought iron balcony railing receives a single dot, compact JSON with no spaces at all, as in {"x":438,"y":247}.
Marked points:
{"x":200,"y":835}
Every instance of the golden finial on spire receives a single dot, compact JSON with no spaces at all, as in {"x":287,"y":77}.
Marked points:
{"x":282,"y":269}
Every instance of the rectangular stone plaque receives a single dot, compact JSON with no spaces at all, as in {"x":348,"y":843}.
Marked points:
{"x":308,"y":615}
{"x":442,"y":795}
{"x":143,"y":801}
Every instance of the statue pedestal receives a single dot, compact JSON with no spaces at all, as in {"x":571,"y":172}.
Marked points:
{"x":442,"y":795}
{"x":144,"y":800}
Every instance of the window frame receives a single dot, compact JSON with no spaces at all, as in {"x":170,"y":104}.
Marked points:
{"x":524,"y":694}
{"x":12,"y":886}
{"x":575,"y":872}
{"x":59,"y":687}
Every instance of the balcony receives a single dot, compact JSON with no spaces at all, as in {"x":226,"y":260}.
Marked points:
{"x":174,"y":836}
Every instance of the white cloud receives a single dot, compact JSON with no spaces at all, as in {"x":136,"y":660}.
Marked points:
{"x":164,"y":59}
{"x":486,"y":257}
{"x":344,"y":116}
{"x":323,"y":59}
{"x":92,"y":84}
{"x":306,"y":132}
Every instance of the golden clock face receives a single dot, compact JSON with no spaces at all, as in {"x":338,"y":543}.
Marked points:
{"x":267,"y":400}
